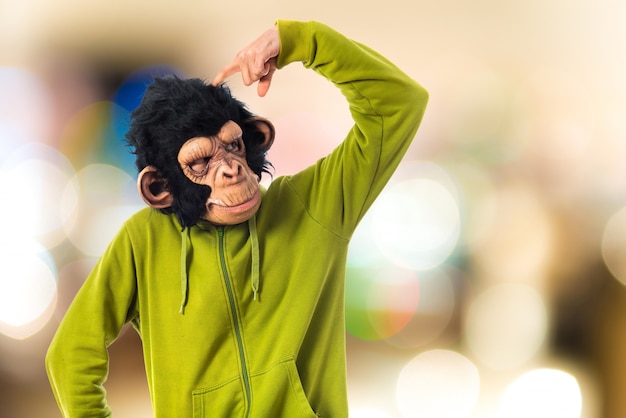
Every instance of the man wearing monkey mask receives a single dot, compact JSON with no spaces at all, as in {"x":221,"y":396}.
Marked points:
{"x":238,"y":291}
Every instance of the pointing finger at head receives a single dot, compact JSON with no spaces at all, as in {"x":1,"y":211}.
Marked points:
{"x":226,"y":72}
{"x":254,"y":62}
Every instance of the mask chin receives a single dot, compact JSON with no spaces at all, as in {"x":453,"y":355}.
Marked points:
{"x":220,"y":214}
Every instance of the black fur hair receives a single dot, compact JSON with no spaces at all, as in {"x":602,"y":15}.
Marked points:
{"x":174,"y":110}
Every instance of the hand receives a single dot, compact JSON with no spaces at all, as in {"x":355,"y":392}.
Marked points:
{"x":256,"y":62}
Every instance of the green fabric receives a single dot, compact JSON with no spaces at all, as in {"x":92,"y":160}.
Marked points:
{"x":228,"y":355}
{"x":184,"y":279}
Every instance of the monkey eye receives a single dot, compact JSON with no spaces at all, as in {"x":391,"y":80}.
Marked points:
{"x":200,"y":166}
{"x":235,"y":146}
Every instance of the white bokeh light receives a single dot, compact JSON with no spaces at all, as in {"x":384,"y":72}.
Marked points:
{"x":512,"y":236}
{"x":363,"y":251}
{"x":438,"y":384}
{"x":614,"y":245}
{"x":542,"y":393}
{"x":106,"y":197}
{"x":34,"y":176}
{"x":437,"y":302}
{"x":27,"y":288}
{"x":417,"y":223}
{"x":506,"y":325}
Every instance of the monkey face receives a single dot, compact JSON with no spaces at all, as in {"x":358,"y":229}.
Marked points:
{"x":220,"y":162}
{"x":213,"y":179}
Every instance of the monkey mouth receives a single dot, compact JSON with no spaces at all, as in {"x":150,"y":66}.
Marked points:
{"x":239,"y":207}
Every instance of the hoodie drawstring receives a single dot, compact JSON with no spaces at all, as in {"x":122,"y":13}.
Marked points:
{"x":254,"y":241}
{"x":256,"y":262}
{"x":184,"y":279}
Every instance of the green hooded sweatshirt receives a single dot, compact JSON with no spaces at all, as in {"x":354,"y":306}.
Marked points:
{"x":247,"y":320}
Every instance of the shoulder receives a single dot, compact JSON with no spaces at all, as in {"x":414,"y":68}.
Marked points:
{"x":284,"y":196}
{"x":145,"y":229}
{"x":275,"y":192}
{"x":147,"y":219}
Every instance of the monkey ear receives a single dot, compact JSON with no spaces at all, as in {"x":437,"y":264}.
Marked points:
{"x":266,"y":128}
{"x":153,"y":189}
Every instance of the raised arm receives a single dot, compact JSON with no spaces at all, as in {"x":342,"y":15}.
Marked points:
{"x":386,"y":105}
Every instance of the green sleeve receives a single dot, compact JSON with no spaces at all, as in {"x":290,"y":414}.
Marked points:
{"x":386,"y":105}
{"x":77,"y":359}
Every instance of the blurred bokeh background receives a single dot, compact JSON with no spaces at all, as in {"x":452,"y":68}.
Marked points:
{"x":488,"y":279}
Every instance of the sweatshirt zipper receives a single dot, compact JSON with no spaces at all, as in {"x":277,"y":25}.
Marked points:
{"x":233,"y":309}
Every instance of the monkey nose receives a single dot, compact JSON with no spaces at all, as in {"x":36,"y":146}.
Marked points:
{"x":230,"y":169}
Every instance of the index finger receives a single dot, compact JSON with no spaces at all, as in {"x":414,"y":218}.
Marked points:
{"x":226,"y":72}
